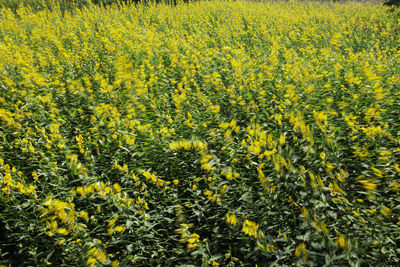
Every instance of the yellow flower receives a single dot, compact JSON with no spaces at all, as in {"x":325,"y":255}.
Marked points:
{"x":329,"y":166}
{"x":194,"y":238}
{"x":62,"y":231}
{"x":368,"y":185}
{"x":80,"y":191}
{"x":120,"y":228}
{"x":282,"y":140}
{"x":341,"y":241}
{"x":233,"y":220}
{"x":112,"y":221}
{"x":84,"y":215}
{"x":53,"y":226}
{"x":223,"y":189}
{"x":260,"y":245}
{"x":270,"y":248}
{"x":385,"y":211}
{"x":60,"y":242}
{"x":250,"y":228}
{"x":301,"y":251}
{"x":215,"y":109}
{"x":117,"y":187}
{"x":35,"y":176}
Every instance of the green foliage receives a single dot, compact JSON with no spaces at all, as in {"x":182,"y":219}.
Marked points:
{"x":70,"y":5}
{"x":37,"y":5}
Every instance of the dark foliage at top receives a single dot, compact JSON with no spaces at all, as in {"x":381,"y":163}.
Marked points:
{"x":393,"y":3}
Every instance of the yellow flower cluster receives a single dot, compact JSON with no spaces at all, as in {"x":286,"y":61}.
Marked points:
{"x":12,"y":180}
{"x":59,"y":211}
{"x":231,"y":219}
{"x":95,"y":255}
{"x":192,"y":239}
{"x":250,"y":228}
{"x":188,"y":145}
{"x":301,"y":251}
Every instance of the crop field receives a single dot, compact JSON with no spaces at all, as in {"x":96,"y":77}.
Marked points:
{"x":226,"y":133}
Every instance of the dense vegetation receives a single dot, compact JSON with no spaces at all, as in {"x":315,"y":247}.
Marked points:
{"x":71,"y":5}
{"x":209,"y":133}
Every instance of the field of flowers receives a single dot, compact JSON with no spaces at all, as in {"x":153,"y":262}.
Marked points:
{"x":226,"y":133}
